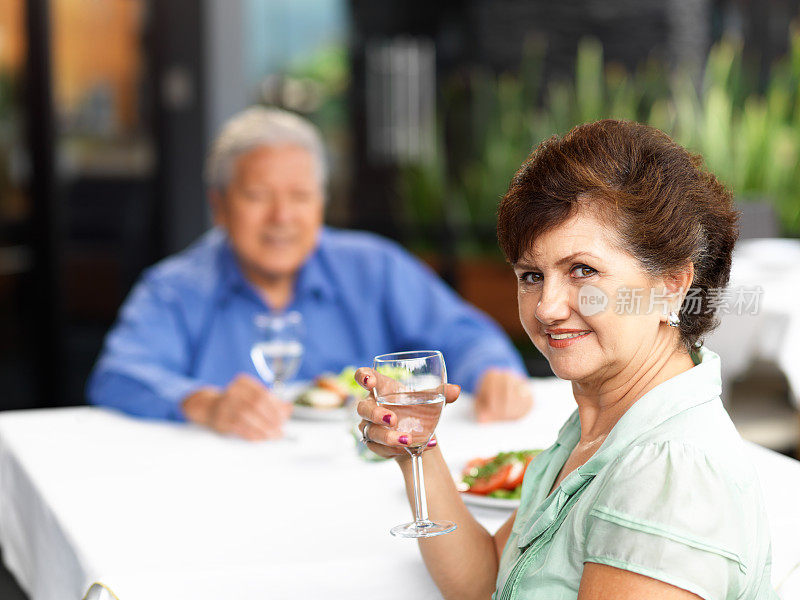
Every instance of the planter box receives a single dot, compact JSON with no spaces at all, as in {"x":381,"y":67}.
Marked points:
{"x":486,"y":283}
{"x":491,"y":286}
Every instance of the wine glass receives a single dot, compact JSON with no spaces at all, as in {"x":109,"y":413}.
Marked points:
{"x":412,"y":386}
{"x":278,"y":349}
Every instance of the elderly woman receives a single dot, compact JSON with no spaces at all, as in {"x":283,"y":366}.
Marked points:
{"x":618,"y":238}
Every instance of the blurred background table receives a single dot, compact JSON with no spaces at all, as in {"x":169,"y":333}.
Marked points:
{"x":92,"y":501}
{"x":761,"y":342}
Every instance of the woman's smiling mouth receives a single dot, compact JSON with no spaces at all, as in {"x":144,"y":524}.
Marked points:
{"x":561,"y":338}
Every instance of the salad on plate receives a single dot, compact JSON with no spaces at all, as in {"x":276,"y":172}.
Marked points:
{"x":499,"y":476}
{"x":330,"y":391}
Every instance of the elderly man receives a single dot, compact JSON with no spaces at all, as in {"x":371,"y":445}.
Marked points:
{"x":180,"y":348}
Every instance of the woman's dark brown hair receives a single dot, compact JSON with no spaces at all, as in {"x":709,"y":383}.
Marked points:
{"x":665,"y":208}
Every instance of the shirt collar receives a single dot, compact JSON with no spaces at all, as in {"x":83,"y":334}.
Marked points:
{"x":312,"y":278}
{"x":699,"y":385}
{"x":694,"y":387}
{"x":231,"y":274}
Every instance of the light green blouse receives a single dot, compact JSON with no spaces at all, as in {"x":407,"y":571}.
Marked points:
{"x":670,"y":494}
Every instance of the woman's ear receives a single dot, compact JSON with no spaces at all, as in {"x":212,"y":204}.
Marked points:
{"x":677,"y":285}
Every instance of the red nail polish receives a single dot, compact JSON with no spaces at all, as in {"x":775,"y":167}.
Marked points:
{"x":366,"y":379}
{"x":432,"y":443}
{"x":387,"y":419}
{"x":403,"y":439}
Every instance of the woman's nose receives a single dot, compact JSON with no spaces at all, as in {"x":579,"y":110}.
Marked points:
{"x":553,"y":305}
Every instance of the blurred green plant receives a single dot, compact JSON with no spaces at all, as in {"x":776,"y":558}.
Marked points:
{"x":323,"y":80}
{"x":749,"y":138}
{"x":326,"y":73}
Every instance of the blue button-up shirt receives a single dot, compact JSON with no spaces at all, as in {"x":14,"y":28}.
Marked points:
{"x":189,"y":322}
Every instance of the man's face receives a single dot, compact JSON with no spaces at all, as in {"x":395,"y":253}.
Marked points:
{"x":272,"y":211}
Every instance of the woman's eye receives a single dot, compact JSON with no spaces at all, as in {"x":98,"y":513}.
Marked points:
{"x":582,"y":271}
{"x":530,"y":277}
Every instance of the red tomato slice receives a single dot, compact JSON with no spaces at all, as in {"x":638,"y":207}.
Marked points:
{"x":494,"y":482}
{"x":475,"y":463}
{"x":516,"y":475}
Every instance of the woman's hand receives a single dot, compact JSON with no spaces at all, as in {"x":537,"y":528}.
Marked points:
{"x":380,"y":422}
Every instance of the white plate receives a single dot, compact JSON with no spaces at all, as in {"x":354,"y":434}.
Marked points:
{"x":308,"y":413}
{"x":489,"y":502}
{"x":483,"y":501}
{"x":293,"y":389}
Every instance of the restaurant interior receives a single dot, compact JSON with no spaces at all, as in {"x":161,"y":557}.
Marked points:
{"x":107,"y":111}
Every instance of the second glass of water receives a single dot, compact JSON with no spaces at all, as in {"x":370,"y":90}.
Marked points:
{"x":412,"y":386}
{"x":278,"y":349}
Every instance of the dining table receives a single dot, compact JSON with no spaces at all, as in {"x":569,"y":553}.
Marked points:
{"x":98,"y":505}
{"x":759,"y":312}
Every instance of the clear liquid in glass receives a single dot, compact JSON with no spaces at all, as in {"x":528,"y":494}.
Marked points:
{"x":417,"y":414}
{"x":278,"y":359}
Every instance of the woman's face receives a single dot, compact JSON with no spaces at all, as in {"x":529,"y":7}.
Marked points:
{"x":577,"y":293}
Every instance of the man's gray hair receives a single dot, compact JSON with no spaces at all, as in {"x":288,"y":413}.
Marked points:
{"x":256,"y":127}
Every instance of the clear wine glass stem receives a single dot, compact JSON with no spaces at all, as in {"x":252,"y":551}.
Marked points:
{"x":420,"y":501}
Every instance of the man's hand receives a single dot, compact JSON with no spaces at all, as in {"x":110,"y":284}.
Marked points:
{"x":245,"y":408}
{"x":501,"y":395}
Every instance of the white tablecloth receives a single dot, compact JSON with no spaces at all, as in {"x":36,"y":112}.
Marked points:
{"x":163,"y":511}
{"x":770,"y":329}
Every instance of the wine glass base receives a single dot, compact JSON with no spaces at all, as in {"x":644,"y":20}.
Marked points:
{"x":423,"y":529}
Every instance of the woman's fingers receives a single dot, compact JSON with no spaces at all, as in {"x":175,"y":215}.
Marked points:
{"x":451,"y":392}
{"x":365,"y":377}
{"x":370,"y":410}
{"x":378,"y":383}
{"x":369,"y":380}
{"x":385,"y":451}
{"x":383,"y":435}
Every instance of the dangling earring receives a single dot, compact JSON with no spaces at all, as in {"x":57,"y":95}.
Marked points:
{"x":673,"y":320}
